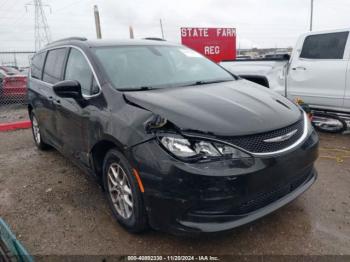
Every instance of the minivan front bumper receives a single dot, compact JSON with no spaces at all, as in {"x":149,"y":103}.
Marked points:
{"x":221,"y":223}
{"x":184,"y":198}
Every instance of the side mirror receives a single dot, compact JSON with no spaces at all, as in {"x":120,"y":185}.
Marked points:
{"x":68,"y":89}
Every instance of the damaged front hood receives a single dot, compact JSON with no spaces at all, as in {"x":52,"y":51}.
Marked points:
{"x":225,"y":109}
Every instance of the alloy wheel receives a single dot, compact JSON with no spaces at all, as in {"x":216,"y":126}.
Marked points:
{"x":36,"y":130}
{"x":120,"y":191}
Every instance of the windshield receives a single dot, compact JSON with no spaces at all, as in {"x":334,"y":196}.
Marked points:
{"x":145,"y":67}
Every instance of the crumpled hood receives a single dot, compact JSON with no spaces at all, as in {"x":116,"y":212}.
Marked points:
{"x":224,"y":109}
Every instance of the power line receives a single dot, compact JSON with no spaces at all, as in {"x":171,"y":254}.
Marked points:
{"x":69,"y":5}
{"x":10,"y":18}
{"x":42,"y":33}
{"x":4,"y":3}
{"x":20,"y":19}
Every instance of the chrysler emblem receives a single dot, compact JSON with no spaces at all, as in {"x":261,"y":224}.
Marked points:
{"x":281,"y":138}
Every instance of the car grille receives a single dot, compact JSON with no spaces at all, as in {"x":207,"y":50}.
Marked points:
{"x":265,"y":198}
{"x":248,"y":202}
{"x":256,"y":144}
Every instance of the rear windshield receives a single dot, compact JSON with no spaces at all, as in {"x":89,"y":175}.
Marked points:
{"x":136,"y":67}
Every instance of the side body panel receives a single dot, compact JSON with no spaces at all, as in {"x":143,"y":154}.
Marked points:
{"x":75,"y":127}
{"x":41,"y":98}
{"x":346,"y":106}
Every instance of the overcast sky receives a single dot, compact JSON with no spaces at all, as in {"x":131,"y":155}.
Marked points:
{"x":259,"y":23}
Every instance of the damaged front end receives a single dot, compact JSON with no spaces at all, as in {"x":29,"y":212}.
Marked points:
{"x":191,"y":146}
{"x":196,"y":182}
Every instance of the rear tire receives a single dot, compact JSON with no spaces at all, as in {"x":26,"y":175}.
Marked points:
{"x":38,"y":139}
{"x":123,"y":192}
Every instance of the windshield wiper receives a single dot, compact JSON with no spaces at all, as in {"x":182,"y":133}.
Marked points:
{"x":198,"y":83}
{"x":141,"y":88}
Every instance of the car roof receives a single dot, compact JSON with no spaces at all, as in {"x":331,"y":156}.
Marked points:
{"x":83,"y":42}
{"x":95,"y":43}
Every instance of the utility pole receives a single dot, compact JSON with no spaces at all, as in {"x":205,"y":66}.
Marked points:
{"x":131,"y":32}
{"x":97,"y":22}
{"x":42,"y":33}
{"x":161,"y":27}
{"x":311,"y":14}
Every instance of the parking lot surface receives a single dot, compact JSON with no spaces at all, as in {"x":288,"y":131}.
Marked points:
{"x":13,"y":113}
{"x":54,"y":208}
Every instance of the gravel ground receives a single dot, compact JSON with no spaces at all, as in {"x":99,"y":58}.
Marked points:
{"x":54,"y":208}
{"x":13,"y":113}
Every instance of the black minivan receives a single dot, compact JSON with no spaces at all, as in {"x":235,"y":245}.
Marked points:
{"x":177,"y":142}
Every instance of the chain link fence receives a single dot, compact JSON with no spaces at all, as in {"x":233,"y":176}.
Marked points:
{"x":14,"y":68}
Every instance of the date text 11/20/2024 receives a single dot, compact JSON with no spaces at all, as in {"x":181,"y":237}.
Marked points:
{"x":173,"y":258}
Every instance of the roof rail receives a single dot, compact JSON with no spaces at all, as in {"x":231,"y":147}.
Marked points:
{"x":68,"y":39}
{"x":154,"y":38}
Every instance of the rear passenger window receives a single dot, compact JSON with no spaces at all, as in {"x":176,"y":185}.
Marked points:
{"x":54,"y":65}
{"x":325,"y":46}
{"x":37,"y":65}
{"x":79,"y":69}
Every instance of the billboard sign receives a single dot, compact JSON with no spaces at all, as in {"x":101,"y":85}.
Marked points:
{"x":215,"y":43}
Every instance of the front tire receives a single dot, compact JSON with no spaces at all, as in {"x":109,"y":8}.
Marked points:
{"x":38,"y":139}
{"x":123,"y":193}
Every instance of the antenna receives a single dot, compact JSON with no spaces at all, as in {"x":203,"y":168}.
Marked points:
{"x":42,"y":33}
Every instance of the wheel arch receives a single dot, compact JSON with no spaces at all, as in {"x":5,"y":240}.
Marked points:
{"x":30,"y":109}
{"x":99,"y":151}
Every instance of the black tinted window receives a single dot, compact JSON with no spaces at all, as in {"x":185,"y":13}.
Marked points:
{"x":324,"y":46}
{"x":54,"y":65}
{"x":37,"y":65}
{"x":79,"y":69}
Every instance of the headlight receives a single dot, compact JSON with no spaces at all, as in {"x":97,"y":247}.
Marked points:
{"x":197,"y":149}
{"x":178,"y":146}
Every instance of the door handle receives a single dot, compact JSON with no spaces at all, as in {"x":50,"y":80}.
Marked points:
{"x":299,"y":68}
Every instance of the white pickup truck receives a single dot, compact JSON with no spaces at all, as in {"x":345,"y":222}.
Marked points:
{"x":318,"y":71}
